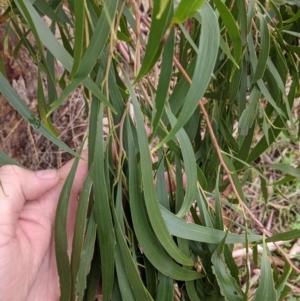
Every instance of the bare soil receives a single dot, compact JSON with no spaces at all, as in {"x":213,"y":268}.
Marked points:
{"x":18,"y":139}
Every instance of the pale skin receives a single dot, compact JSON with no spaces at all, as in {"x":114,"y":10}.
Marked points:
{"x":28,"y":202}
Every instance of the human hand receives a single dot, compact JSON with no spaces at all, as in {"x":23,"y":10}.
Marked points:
{"x":28,"y":202}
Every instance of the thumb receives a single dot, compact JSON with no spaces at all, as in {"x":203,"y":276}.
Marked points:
{"x":19,"y":185}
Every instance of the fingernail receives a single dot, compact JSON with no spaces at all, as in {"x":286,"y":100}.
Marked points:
{"x":46,"y":173}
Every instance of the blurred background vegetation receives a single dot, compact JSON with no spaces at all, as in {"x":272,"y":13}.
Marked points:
{"x":190,"y":111}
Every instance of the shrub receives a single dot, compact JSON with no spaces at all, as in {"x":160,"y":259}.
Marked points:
{"x":186,"y":89}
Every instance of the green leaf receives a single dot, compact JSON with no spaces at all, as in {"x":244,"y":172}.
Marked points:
{"x":42,"y":106}
{"x":262,"y":145}
{"x":266,"y":290}
{"x":60,"y":53}
{"x":232,"y":30}
{"x":264,"y":49}
{"x":228,"y":285}
{"x":136,"y":283}
{"x":293,"y":18}
{"x":218,"y":208}
{"x":79,"y":18}
{"x":206,"y":58}
{"x":249,"y":115}
{"x":281,"y":283}
{"x":189,"y":166}
{"x":285,"y":168}
{"x":5,"y":159}
{"x":162,"y":8}
{"x":164,"y":81}
{"x":30,"y":20}
{"x":225,"y":48}
{"x":157,"y":30}
{"x":185,"y":10}
{"x":61,"y":236}
{"x":86,"y":258}
{"x":290,"y":235}
{"x":124,"y":283}
{"x":79,"y":235}
{"x":151,"y":201}
{"x":181,"y":228}
{"x":260,"y":82}
{"x":143,"y":231}
{"x":293,"y":33}
{"x":103,"y":216}
{"x":45,"y":9}
{"x":165,"y":288}
{"x":92,"y":53}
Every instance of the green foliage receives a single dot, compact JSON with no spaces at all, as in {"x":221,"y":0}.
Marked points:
{"x":204,"y":81}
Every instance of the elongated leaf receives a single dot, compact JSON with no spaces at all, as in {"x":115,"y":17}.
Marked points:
{"x":93,"y":51}
{"x":293,"y":33}
{"x":180,"y":228}
{"x":281,"y":283}
{"x":262,"y":145}
{"x":43,"y":107}
{"x":29,"y":18}
{"x":137,"y":286}
{"x":59,"y":52}
{"x":45,"y":9}
{"x":79,"y":230}
{"x":145,"y":236}
{"x":228,"y":285}
{"x":124,"y":283}
{"x":189,"y":166}
{"x":218,"y":209}
{"x":103,"y":216}
{"x":151,"y":201}
{"x":290,"y":170}
{"x":293,"y":18}
{"x":248,"y":116}
{"x":157,"y":30}
{"x":162,"y":8}
{"x":79,"y":10}
{"x":165,"y":289}
{"x":260,"y":82}
{"x":233,"y":31}
{"x":61,"y":236}
{"x":164,"y":80}
{"x":264,"y":49}
{"x":290,"y":235}
{"x":86,"y":258}
{"x":266,"y":290}
{"x":208,"y":47}
{"x":185,"y":10}
{"x":226,"y":50}
{"x":5,"y":159}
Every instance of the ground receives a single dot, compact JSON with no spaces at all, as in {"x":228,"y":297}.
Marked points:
{"x":17,"y":138}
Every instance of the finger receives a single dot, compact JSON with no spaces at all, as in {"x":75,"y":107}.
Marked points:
{"x":18,"y":185}
{"x":51,"y":198}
